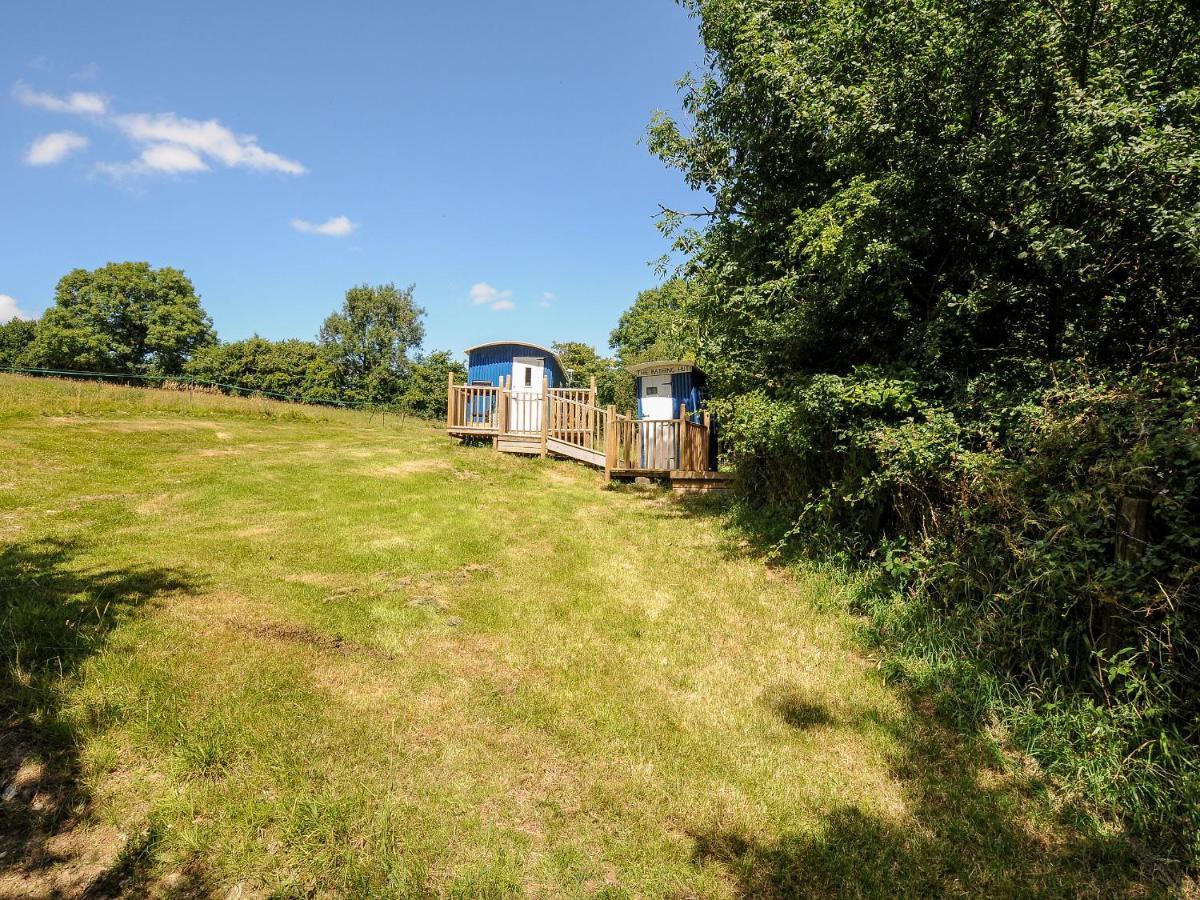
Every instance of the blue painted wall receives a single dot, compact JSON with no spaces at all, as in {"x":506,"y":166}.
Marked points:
{"x":689,"y":387}
{"x":489,"y":363}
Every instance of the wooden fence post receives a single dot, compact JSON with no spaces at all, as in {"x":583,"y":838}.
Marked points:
{"x":502,"y":410}
{"x":1133,"y":519}
{"x":450,"y":400}
{"x":707,"y":444}
{"x":545,"y":411}
{"x":610,"y":441}
{"x":681,"y":441}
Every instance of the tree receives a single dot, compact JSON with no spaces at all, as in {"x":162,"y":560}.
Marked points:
{"x":16,"y":337}
{"x":659,"y":325}
{"x":123,"y":317}
{"x":959,"y":187}
{"x":295,"y":368}
{"x":425,"y":389}
{"x":583,"y":363}
{"x":368,"y":341}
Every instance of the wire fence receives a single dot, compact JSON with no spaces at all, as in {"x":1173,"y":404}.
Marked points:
{"x":177,"y":382}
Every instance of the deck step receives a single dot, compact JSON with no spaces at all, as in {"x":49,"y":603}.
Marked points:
{"x":520,"y":444}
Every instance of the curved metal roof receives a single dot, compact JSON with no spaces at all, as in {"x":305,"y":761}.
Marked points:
{"x":518,"y":344}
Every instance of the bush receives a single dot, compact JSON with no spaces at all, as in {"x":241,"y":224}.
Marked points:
{"x":1009,"y":585}
{"x":293,"y":368}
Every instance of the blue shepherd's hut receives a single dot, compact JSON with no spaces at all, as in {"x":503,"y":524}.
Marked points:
{"x":528,"y":365}
{"x":663,"y":386}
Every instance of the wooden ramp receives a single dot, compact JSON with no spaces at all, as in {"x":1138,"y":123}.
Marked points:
{"x":566,"y":422}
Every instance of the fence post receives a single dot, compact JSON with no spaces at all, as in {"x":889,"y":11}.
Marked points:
{"x":545,"y":411}
{"x":707,"y":444}
{"x":681,"y":441}
{"x":610,"y":441}
{"x":502,"y":410}
{"x":449,"y":400}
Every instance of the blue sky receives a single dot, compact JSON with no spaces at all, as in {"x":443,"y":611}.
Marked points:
{"x":282,"y":152}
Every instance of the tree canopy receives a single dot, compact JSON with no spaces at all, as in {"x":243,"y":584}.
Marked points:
{"x":659,"y":325}
{"x":369,"y":339}
{"x":959,"y":187}
{"x":124,"y":318}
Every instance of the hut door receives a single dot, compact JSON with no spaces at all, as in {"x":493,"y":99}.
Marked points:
{"x":525,"y":402}
{"x":657,"y":402}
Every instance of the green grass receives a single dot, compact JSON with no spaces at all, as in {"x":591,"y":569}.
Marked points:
{"x":302,"y":652}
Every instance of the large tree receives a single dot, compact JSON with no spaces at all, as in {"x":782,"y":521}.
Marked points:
{"x":123,"y":317}
{"x":659,"y":325}
{"x":963,"y":187}
{"x":369,"y":339}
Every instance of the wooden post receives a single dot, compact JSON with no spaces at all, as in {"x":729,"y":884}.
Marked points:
{"x":707,"y":443}
{"x":545,"y":411}
{"x":681,"y":438}
{"x":502,"y":412}
{"x":450,"y":400}
{"x":1133,"y":520}
{"x":610,"y":441}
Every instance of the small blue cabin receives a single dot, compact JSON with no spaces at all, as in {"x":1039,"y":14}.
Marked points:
{"x":663,"y":386}
{"x":526,"y":364}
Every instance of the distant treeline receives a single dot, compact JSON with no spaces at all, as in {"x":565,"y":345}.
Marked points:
{"x":131,"y":319}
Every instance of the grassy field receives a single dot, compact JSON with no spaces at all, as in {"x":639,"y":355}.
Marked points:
{"x":258,"y":650}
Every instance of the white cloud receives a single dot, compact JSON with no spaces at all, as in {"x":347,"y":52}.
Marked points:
{"x":166,"y":142}
{"x":502,"y":305}
{"x":482,"y":293}
{"x":547,"y":299}
{"x":90,"y":72}
{"x":10,"y":310}
{"x":209,"y":138}
{"x":79,"y":103}
{"x":338,"y":226}
{"x":165,"y":158}
{"x":54,"y":148}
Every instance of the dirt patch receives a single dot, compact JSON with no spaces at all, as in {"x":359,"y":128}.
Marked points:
{"x":49,"y":848}
{"x":214,"y":452}
{"x":327,"y":643}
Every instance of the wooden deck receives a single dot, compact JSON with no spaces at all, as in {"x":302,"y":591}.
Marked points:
{"x":567,"y":422}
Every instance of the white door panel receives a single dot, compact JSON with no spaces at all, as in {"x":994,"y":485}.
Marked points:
{"x":526,"y":401}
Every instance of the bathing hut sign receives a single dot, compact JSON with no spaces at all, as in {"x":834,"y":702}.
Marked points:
{"x":664,"y":369}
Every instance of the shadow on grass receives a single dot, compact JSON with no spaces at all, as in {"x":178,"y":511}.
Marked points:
{"x":54,"y":616}
{"x":969,"y":830}
{"x":971,"y":827}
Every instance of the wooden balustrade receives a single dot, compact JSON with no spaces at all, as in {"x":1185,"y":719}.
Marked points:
{"x":570,"y":416}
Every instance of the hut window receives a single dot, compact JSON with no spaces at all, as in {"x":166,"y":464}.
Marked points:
{"x":528,"y":377}
{"x":481,"y":383}
{"x":651,"y":392}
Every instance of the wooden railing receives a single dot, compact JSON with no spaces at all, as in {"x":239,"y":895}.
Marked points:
{"x":626,"y":443}
{"x":473,"y":408}
{"x":576,"y":422}
{"x":659,"y":445}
